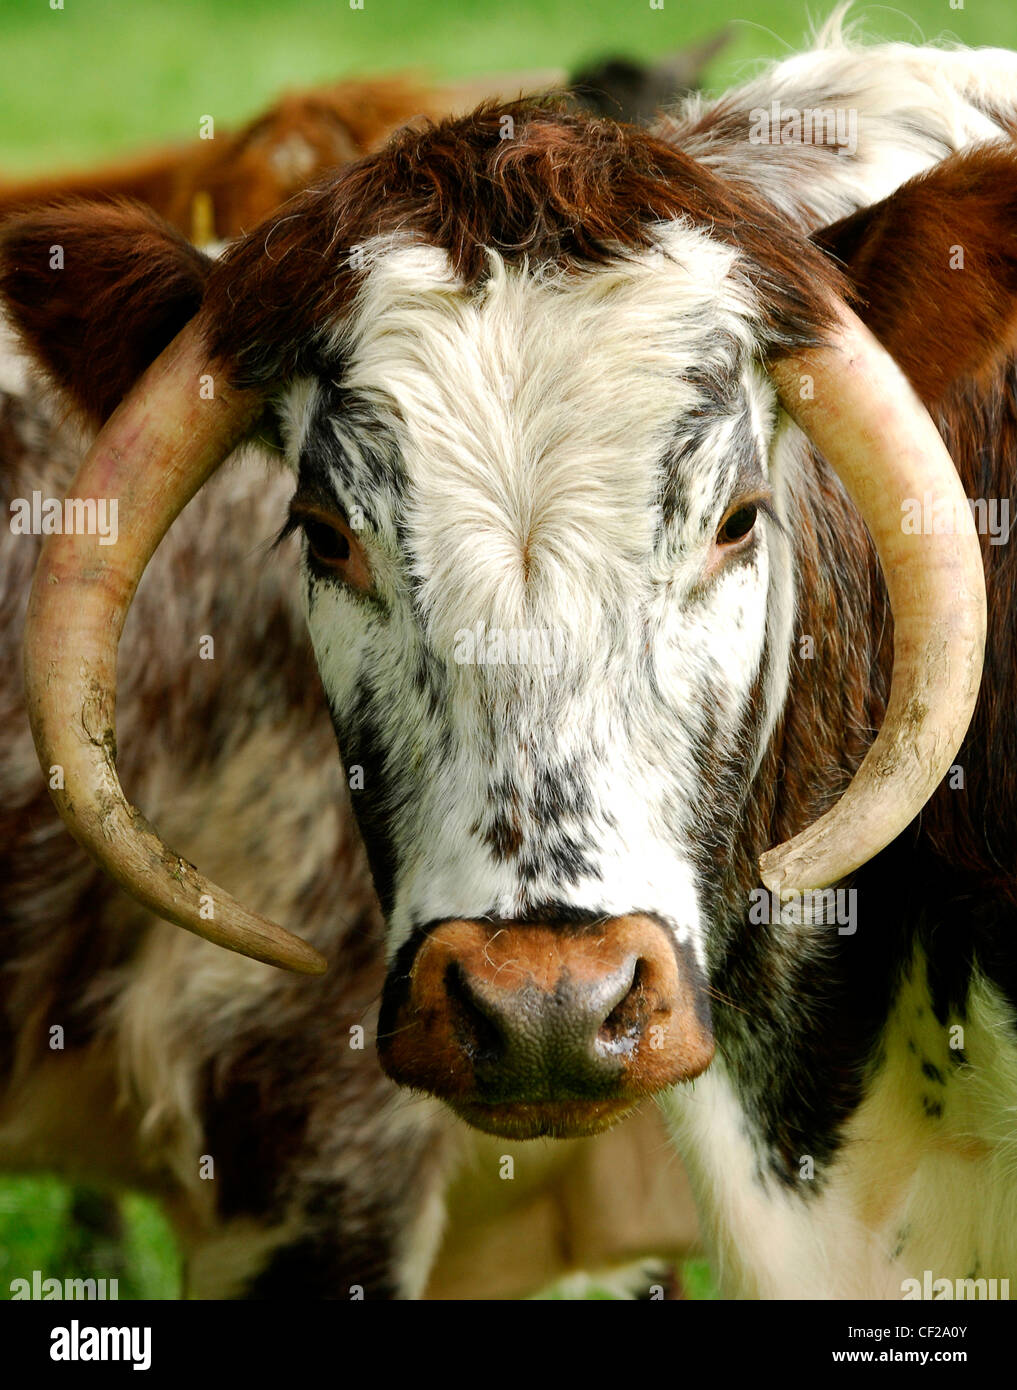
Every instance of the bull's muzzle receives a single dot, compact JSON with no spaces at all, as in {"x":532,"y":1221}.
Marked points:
{"x":526,"y":1029}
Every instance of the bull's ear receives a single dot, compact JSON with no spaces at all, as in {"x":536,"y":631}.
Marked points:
{"x":935,"y":266}
{"x":96,"y":291}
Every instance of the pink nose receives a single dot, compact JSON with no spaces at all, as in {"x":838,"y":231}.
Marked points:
{"x":528,"y":1029}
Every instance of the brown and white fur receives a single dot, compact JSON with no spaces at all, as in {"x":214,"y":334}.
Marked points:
{"x":535,"y":368}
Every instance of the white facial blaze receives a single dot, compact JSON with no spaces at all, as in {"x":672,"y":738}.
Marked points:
{"x":534,"y":421}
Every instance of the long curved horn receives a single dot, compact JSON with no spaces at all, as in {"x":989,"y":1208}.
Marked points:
{"x":152,"y":456}
{"x":874,"y":432}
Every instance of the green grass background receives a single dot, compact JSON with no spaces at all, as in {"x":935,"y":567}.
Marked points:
{"x":102,"y":76}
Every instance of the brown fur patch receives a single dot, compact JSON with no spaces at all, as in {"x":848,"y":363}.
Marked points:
{"x":127,"y":285}
{"x":565,"y":190}
{"x":941,"y":319}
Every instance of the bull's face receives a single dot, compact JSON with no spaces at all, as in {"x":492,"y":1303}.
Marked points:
{"x":539,"y":562}
{"x":548,"y":573}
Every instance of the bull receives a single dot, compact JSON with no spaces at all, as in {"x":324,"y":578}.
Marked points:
{"x":675,"y":398}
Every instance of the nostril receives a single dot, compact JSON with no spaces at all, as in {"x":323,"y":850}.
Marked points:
{"x":621,"y":1030}
{"x":475,"y":1027}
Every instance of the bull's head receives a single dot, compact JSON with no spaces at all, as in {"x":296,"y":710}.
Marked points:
{"x":534,"y":392}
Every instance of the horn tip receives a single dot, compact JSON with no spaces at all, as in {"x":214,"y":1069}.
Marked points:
{"x":316,"y":966}
{"x":298,"y":957}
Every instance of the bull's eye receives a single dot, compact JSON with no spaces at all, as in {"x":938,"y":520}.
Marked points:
{"x":332,"y":546}
{"x":738,"y":524}
{"x":326,"y":543}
